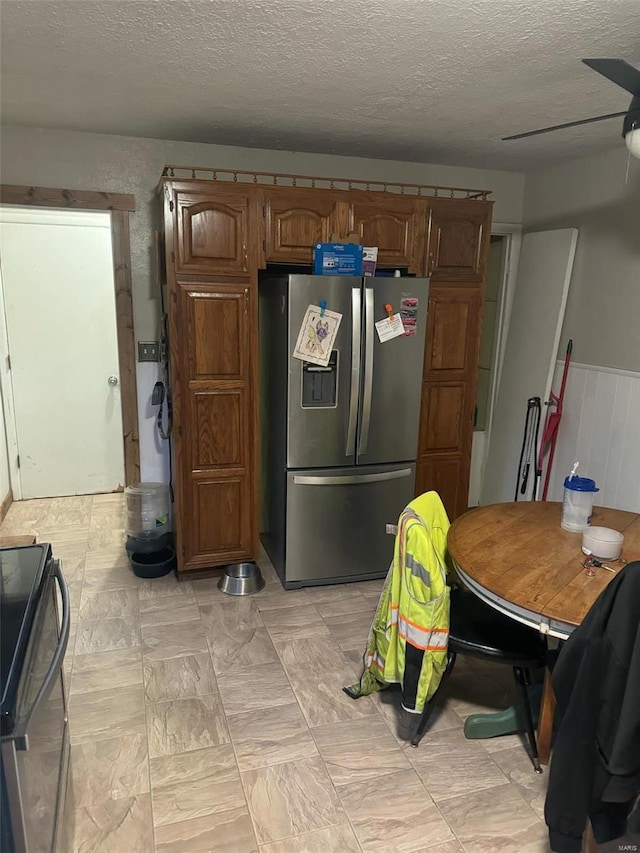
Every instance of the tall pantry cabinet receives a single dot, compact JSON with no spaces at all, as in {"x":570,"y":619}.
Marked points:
{"x":457,"y":243}
{"x":211,"y":300}
{"x":217,"y":236}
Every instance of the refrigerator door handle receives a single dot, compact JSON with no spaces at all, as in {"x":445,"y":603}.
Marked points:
{"x":303,"y":480}
{"x":355,"y":372}
{"x":368,"y":369}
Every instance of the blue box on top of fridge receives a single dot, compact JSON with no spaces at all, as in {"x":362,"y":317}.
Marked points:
{"x":337,"y":259}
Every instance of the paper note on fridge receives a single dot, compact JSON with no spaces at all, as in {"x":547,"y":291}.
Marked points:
{"x":390,"y":327}
{"x":317,"y":335}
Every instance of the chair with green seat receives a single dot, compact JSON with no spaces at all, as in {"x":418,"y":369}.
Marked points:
{"x":478,"y":630}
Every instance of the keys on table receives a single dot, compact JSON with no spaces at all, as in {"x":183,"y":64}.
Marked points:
{"x":592,"y":563}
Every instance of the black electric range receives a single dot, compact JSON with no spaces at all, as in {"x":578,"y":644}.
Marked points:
{"x":22,"y":572}
{"x":34,"y":736}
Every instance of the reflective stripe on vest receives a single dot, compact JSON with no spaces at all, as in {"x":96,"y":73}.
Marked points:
{"x":432,"y":640}
{"x":375,"y":659}
{"x":417,"y":569}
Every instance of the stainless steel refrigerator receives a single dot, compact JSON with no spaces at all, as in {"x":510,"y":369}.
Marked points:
{"x":338,"y":443}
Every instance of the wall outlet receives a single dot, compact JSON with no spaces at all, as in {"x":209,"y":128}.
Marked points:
{"x":148,"y":351}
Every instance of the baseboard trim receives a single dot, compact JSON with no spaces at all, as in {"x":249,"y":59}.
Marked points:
{"x":6,"y":503}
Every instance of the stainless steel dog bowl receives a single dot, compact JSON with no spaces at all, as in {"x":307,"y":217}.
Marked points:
{"x":241,"y":579}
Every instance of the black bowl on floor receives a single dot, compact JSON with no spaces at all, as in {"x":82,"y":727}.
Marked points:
{"x":147,"y":545}
{"x":153,"y":565}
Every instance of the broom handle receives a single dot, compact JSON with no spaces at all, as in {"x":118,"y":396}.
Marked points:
{"x":563,"y":384}
{"x":565,"y":373}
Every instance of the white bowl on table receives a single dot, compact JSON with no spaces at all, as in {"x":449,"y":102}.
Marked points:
{"x":602,"y":543}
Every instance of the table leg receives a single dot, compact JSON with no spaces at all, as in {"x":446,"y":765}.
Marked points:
{"x":545,"y":718}
{"x":588,"y":841}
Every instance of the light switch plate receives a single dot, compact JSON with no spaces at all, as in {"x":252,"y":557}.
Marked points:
{"x":148,"y":351}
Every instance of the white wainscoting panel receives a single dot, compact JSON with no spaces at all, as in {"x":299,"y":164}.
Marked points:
{"x":600,"y":428}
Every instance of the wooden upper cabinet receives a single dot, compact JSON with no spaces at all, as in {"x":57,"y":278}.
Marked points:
{"x":390,"y":223}
{"x":212,"y":231}
{"x":458,"y":232}
{"x":297,"y":219}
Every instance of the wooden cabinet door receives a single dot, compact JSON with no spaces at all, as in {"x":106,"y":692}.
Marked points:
{"x":214,"y":421}
{"x":458,"y":232}
{"x":297,"y":219}
{"x":448,"y":393}
{"x":444,"y":475}
{"x":390,"y":223}
{"x":212,"y":231}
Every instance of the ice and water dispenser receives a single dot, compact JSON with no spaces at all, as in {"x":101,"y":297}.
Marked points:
{"x":320,"y":384}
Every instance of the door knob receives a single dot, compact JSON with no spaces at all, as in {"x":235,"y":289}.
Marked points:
{"x":112,"y":380}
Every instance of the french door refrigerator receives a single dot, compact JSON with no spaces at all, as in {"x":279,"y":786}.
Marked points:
{"x":338,"y":443}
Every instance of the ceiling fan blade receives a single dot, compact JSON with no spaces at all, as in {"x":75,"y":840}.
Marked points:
{"x":561,"y":126}
{"x":619,"y":72}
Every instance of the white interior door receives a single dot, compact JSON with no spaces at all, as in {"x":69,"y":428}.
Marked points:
{"x":57,"y":277}
{"x":542,"y":285}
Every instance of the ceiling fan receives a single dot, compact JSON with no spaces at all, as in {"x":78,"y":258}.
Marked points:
{"x":623,"y":75}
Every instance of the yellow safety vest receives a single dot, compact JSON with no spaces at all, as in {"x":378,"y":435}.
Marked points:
{"x":410,"y":631}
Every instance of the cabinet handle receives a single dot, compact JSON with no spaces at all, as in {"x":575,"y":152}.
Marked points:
{"x":244,"y":252}
{"x":246,"y":301}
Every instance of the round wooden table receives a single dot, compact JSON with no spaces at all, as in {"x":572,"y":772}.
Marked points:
{"x":517,"y":558}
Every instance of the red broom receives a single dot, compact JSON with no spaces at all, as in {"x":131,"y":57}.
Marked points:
{"x":552,"y":424}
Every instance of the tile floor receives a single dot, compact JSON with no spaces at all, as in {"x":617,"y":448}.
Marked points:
{"x":202,"y":723}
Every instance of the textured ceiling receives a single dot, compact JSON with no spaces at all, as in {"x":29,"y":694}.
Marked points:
{"x":419,"y":80}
